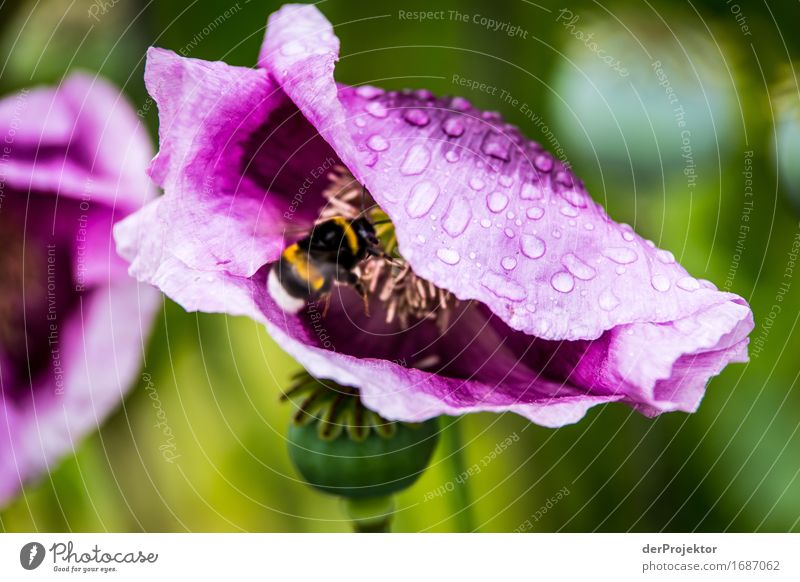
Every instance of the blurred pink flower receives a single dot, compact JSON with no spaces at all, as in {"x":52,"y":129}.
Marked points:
{"x":72,"y":322}
{"x":561,"y":308}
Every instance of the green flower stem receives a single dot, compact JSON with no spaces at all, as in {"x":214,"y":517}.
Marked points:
{"x":460,"y":502}
{"x":371,"y":514}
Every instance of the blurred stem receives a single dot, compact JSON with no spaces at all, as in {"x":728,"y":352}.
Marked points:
{"x":453,"y":443}
{"x":371,"y":515}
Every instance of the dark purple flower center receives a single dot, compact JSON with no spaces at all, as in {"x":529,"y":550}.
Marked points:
{"x":36,"y":293}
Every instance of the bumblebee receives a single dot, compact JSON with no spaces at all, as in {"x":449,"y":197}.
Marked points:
{"x":330,"y":254}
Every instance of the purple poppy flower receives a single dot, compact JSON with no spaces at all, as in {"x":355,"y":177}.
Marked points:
{"x":72,"y":322}
{"x":515,"y":291}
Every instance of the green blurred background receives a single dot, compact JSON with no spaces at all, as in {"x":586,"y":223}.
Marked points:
{"x":733,"y":466}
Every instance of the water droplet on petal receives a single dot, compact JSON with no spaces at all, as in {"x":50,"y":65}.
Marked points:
{"x":502,"y":286}
{"x":457,"y":216}
{"x":528,"y":191}
{"x":532,"y":246}
{"x":496,"y":146}
{"x":370,"y":158}
{"x":377,"y":143}
{"x":508,"y":263}
{"x":665,"y":257}
{"x":506,"y":181}
{"x":376,"y":109}
{"x":453,"y":126}
{"x":451,"y":156}
{"x":421,"y":199}
{"x":569,"y":211}
{"x":688,"y":283}
{"x":620,"y":270}
{"x":660,"y":283}
{"x":417,"y":117}
{"x":369,"y":92}
{"x":588,"y":226}
{"x":360,"y":122}
{"x":476,"y":183}
{"x":486,"y":223}
{"x":421,"y":238}
{"x":562,"y":282}
{"x":460,"y":104}
{"x":543,"y":162}
{"x":497,"y":201}
{"x":577,"y":267}
{"x":534,"y":212}
{"x":416,"y":161}
{"x":620,"y":255}
{"x":509,"y":233}
{"x":607,"y":300}
{"x":448,"y":256}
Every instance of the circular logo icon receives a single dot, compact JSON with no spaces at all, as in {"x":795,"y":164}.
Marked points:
{"x":31,"y":555}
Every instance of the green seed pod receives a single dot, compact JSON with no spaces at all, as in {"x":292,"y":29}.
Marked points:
{"x":341,"y":448}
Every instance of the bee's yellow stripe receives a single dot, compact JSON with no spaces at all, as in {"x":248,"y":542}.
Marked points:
{"x":349,"y":233}
{"x":305,"y":270}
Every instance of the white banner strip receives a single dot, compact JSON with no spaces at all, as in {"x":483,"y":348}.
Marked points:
{"x":406,"y":557}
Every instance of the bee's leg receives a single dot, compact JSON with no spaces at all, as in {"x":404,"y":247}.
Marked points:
{"x":344,"y":276}
{"x":363,"y":292}
{"x":327,"y":299}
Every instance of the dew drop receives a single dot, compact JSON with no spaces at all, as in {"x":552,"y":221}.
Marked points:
{"x":448,"y":256}
{"x":457,"y":216}
{"x":376,"y":109}
{"x":574,"y":197}
{"x":532,"y":246}
{"x":620,"y":255}
{"x":416,"y":161}
{"x":665,"y":257}
{"x":528,"y":191}
{"x":369,"y":91}
{"x":451,"y":156}
{"x":543,"y":162}
{"x":588,"y":226}
{"x":417,"y":117}
{"x":660,"y":283}
{"x":506,"y":181}
{"x":476,"y":183}
{"x":577,"y":267}
{"x":421,"y":199}
{"x":562,"y":282}
{"x":607,"y":300}
{"x":688,"y":283}
{"x":472,"y":256}
{"x":496,"y":146}
{"x":508,"y":263}
{"x":360,"y":122}
{"x":620,"y":270}
{"x":460,"y":104}
{"x":556,"y":233}
{"x":486,"y":223}
{"x":497,"y":201}
{"x":569,"y":211}
{"x":534,"y":212}
{"x":453,"y":126}
{"x":377,"y":143}
{"x":421,"y":238}
{"x":503,"y":286}
{"x":510,"y":215}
